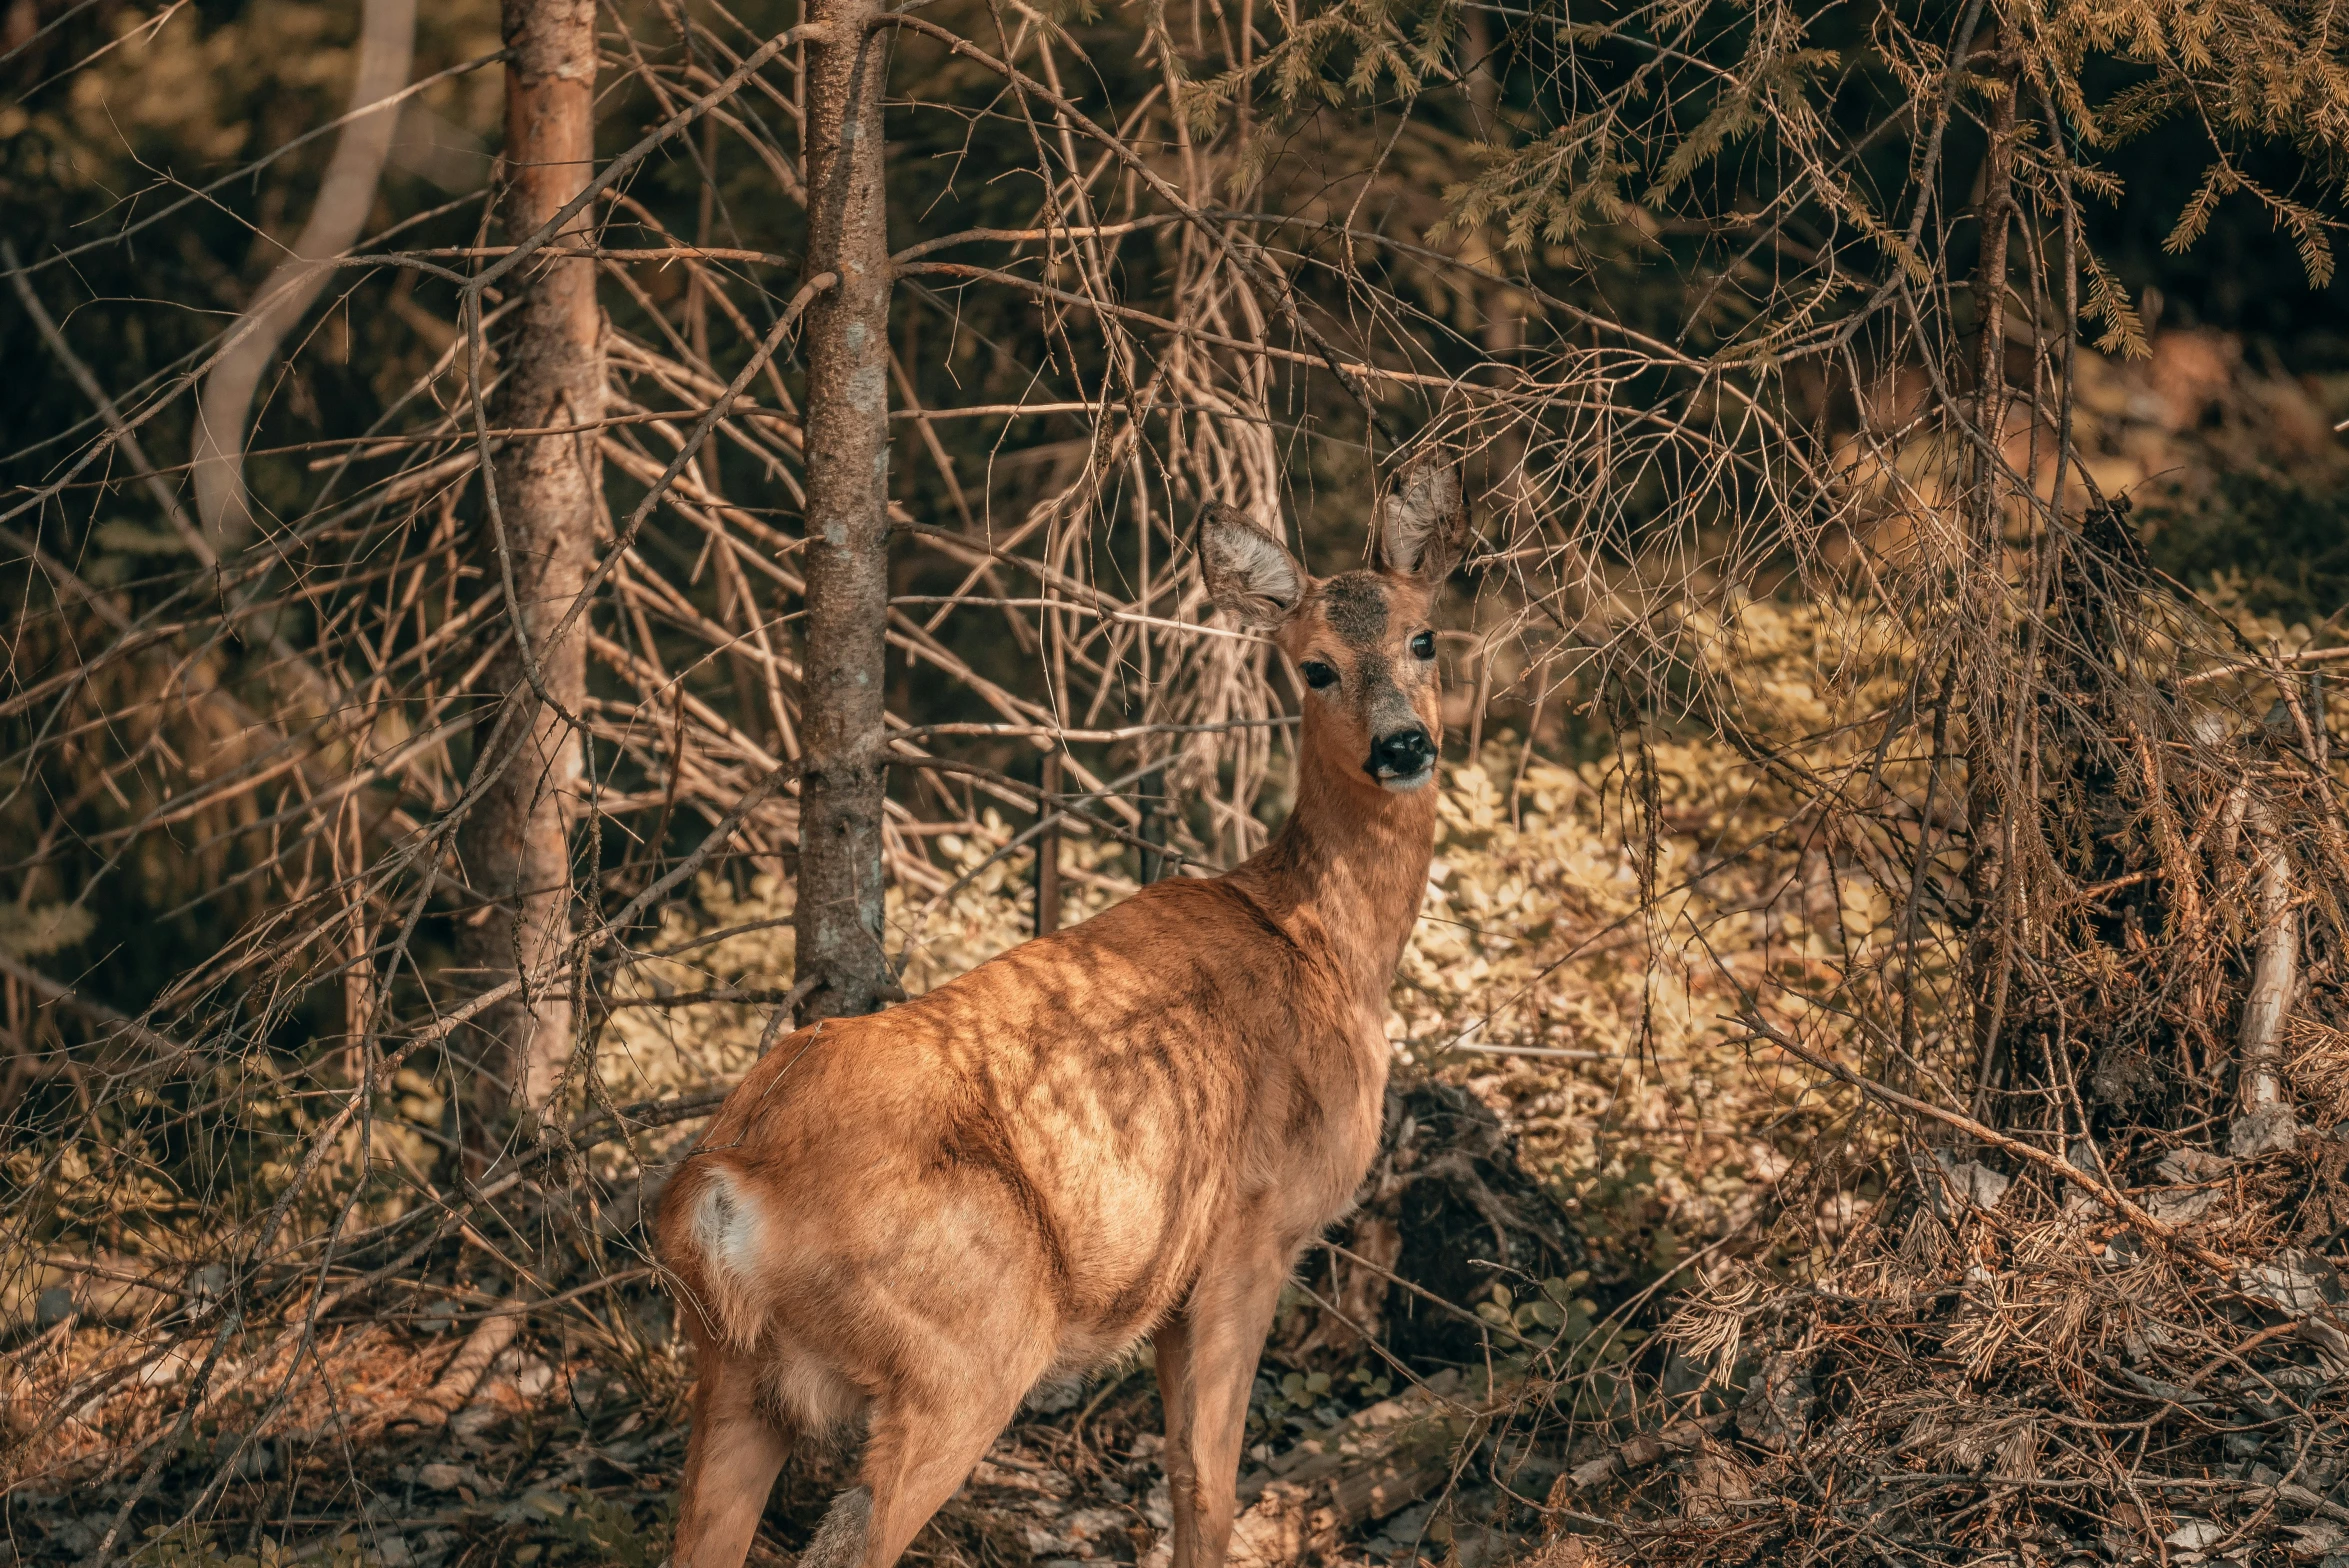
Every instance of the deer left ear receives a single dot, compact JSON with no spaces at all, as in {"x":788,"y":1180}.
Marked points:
{"x":1421,"y":526}
{"x":1250,"y":576}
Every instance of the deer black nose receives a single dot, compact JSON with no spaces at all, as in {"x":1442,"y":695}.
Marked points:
{"x":1403,"y":755}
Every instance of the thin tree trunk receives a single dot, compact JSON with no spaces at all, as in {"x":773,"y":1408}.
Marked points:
{"x":2264,"y":1120}
{"x":1048,"y":844}
{"x":346,"y":194}
{"x":549,"y":493}
{"x":1484,"y":86}
{"x":1988,"y":803}
{"x":837,"y":915}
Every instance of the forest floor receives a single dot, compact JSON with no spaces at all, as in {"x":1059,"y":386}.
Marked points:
{"x":436,"y":1443}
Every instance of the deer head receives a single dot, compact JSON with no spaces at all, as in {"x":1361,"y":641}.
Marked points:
{"x":1361,"y":639}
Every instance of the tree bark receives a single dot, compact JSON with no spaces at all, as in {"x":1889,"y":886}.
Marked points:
{"x":1990,"y":704}
{"x":516,"y":843}
{"x":838,"y":912}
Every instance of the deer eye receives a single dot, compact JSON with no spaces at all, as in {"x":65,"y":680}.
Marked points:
{"x":1423,"y":645}
{"x":1319,"y":675}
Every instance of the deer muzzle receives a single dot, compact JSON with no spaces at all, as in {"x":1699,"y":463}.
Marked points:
{"x":1402,"y":759}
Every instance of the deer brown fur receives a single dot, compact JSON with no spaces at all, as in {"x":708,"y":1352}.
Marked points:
{"x":1130,"y":1128}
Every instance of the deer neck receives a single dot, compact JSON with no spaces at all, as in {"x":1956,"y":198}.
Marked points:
{"x":1345,"y":875}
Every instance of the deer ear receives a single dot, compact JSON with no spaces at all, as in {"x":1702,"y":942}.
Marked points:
{"x":1249,"y":575}
{"x":1421,"y":527}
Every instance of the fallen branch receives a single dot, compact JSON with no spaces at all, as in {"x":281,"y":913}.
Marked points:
{"x":2120,"y":1202}
{"x":1374,"y":1463}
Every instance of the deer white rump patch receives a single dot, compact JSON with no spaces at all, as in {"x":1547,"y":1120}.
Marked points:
{"x":727,"y":1229}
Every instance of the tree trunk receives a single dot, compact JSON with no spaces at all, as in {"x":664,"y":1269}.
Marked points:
{"x":346,"y":194}
{"x":838,"y":912}
{"x":549,"y":491}
{"x":1989,"y":806}
{"x":1048,"y":844}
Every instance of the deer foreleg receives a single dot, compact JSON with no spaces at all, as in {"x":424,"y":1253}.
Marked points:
{"x":1171,"y":1346}
{"x":1218,"y":1338}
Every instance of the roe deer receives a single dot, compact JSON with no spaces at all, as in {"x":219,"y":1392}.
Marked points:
{"x":1128,"y":1128}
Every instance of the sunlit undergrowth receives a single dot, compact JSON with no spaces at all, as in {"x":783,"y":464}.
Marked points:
{"x":1592,"y":936}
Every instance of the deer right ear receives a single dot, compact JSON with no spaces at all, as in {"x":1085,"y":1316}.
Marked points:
{"x":1249,"y":575}
{"x":1420,"y":527}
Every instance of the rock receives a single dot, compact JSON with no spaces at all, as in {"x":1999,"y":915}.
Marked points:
{"x":1715,"y":1481}
{"x":1567,"y":1551}
{"x":1052,"y":1396}
{"x":76,"y":1537}
{"x":445,"y":1477}
{"x":1970,"y":1181}
{"x":2184,"y":1166}
{"x":476,"y":1420}
{"x":2313,"y":1541}
{"x":1776,"y":1411}
{"x":2294,"y":1283}
{"x":2196,"y":1535}
{"x":532,"y":1378}
{"x":2182,"y":1208}
{"x":2272,"y":1129}
{"x":2084,"y":1157}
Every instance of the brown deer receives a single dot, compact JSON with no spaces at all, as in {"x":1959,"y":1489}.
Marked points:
{"x":1129,"y":1128}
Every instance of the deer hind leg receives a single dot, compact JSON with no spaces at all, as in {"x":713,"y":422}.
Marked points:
{"x":923,"y":1443}
{"x":731,"y":1461}
{"x":1219,"y":1337}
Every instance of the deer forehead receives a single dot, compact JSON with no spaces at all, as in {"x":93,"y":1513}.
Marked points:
{"x":1358,"y":608}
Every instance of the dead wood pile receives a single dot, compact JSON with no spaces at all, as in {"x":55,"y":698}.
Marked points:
{"x":2077,"y":1293}
{"x":2004,"y":1372}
